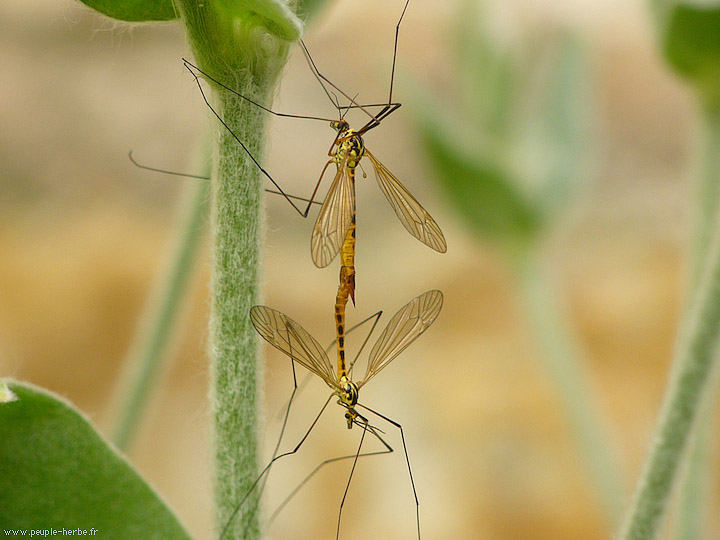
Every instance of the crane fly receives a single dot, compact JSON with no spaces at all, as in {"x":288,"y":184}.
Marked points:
{"x":336,"y":221}
{"x":292,"y":339}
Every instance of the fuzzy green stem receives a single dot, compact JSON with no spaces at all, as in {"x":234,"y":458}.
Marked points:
{"x":708,"y":191}
{"x":235,"y":370}
{"x":237,"y":43}
{"x":155,"y":336}
{"x":560,"y":353}
{"x":694,"y":486}
{"x":694,"y":357}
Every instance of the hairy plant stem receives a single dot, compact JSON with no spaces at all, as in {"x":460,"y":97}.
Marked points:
{"x":153,"y":339}
{"x":242,"y":45}
{"x":693,"y":490}
{"x":235,"y":369}
{"x":560,"y":352}
{"x":695,"y":355}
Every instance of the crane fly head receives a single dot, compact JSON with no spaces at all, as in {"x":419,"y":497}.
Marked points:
{"x":341,"y":126}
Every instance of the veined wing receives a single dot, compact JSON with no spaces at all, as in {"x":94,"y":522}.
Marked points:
{"x":406,"y":325}
{"x":289,"y":337}
{"x":410,"y":213}
{"x":334,"y":218}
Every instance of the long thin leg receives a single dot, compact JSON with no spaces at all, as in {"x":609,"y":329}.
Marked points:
{"x":261,"y":489}
{"x":366,"y":427}
{"x":374,"y":119}
{"x":376,"y":432}
{"x":199,"y":177}
{"x":397,"y":33}
{"x":347,"y":485}
{"x":376,"y":316}
{"x":384,"y":113}
{"x":267,"y":467}
{"x":407,"y":461}
{"x":190,"y":67}
{"x":255,"y":161}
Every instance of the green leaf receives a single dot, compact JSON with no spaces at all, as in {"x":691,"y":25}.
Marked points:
{"x":483,"y":195}
{"x":6,"y":395}
{"x":557,"y":128}
{"x":308,"y":9}
{"x":691,"y":42}
{"x":57,"y":472}
{"x":488,"y":76}
{"x":134,"y":10}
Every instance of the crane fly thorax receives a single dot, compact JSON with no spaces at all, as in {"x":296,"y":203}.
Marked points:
{"x":347,"y":392}
{"x":350,"y":145}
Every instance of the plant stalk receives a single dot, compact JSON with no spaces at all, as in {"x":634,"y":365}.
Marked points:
{"x":695,"y":355}
{"x":244,"y":45}
{"x":154,"y":338}
{"x":560,"y":352}
{"x":694,"y":487}
{"x":235,"y":368}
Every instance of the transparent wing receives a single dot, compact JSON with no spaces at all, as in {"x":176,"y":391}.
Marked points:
{"x":289,"y":337}
{"x":410,"y":213}
{"x":406,"y":325}
{"x":334,"y":219}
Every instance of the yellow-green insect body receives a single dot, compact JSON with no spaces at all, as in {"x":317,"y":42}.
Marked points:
{"x":350,"y":145}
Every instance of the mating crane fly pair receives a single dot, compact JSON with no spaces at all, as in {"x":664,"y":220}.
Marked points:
{"x":333,"y":234}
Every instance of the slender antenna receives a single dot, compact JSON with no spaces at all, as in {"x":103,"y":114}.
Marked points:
{"x":324,"y":78}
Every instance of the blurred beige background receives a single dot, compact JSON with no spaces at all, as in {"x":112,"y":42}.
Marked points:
{"x":83,"y":232}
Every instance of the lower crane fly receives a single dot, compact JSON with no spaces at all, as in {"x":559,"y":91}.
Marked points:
{"x":292,"y":339}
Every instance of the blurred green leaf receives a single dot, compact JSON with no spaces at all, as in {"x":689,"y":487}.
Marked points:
{"x":6,"y":395}
{"x":691,"y":42}
{"x":57,"y":472}
{"x":309,"y":9}
{"x":509,"y":149}
{"x":134,"y":10}
{"x":481,"y":191}
{"x":488,"y":77}
{"x":558,"y":141}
